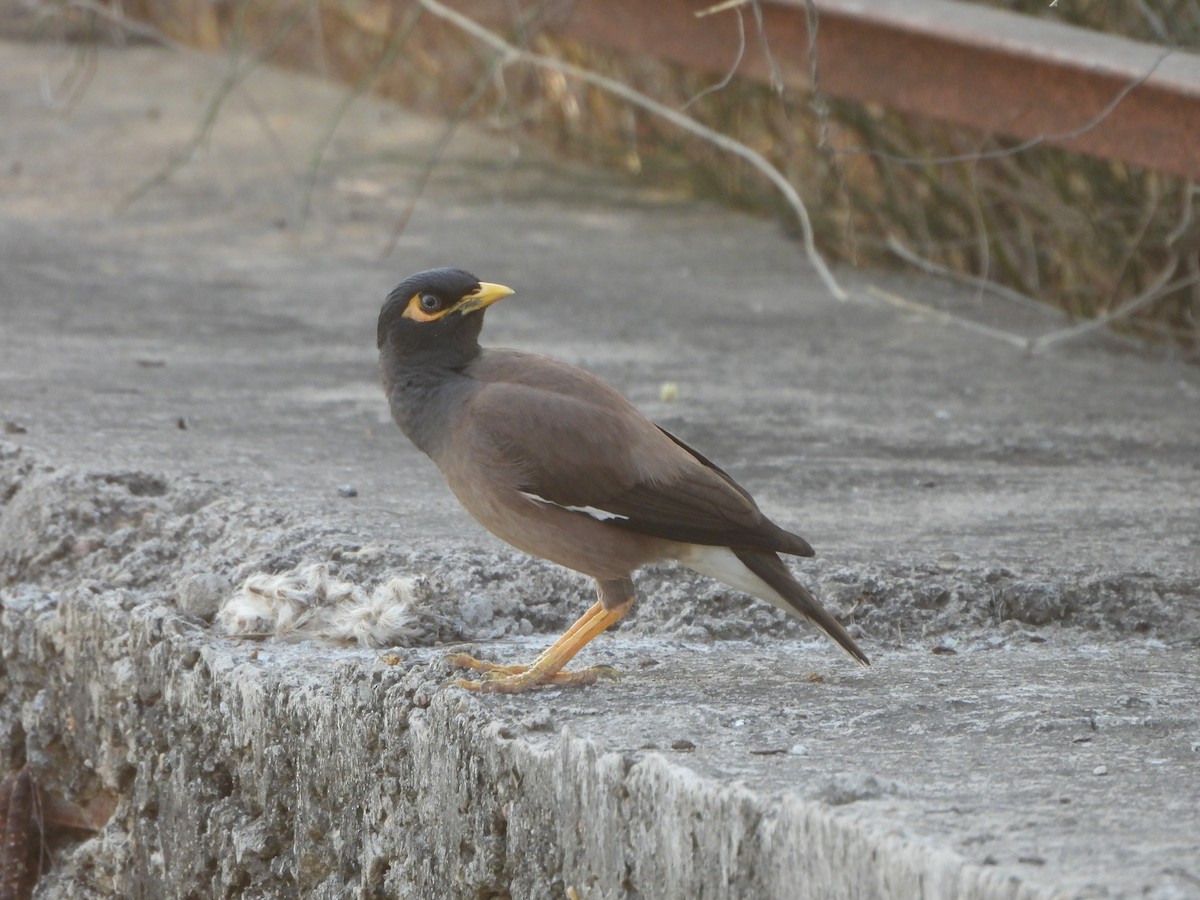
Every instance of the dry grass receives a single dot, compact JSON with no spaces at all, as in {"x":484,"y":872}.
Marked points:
{"x":1081,"y":233}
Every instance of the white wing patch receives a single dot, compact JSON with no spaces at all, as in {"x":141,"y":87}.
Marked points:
{"x":601,"y":515}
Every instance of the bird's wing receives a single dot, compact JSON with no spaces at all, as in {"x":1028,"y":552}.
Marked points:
{"x":569,"y":439}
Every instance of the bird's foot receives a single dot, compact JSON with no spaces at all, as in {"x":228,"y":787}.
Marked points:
{"x":466,"y":661}
{"x":501,"y":679}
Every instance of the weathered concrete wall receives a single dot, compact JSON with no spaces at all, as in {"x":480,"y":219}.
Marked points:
{"x":296,"y":770}
{"x":280,"y":772}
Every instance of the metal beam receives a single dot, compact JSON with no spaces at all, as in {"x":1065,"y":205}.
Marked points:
{"x":1027,"y":78}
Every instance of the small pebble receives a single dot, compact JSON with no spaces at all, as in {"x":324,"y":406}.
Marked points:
{"x":202,"y":594}
{"x":1100,"y":770}
{"x":682,"y":744}
{"x":347,"y":490}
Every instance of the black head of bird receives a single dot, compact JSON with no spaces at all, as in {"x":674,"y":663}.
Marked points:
{"x":435,"y":316}
{"x":554,"y":461}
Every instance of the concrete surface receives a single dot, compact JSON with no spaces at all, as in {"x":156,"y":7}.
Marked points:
{"x":186,"y":383}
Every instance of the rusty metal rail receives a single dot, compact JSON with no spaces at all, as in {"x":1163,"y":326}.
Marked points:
{"x":1004,"y":73}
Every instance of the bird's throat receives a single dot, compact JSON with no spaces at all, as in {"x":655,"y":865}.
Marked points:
{"x":425,"y":401}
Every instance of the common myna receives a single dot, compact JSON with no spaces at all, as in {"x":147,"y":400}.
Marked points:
{"x":554,"y":461}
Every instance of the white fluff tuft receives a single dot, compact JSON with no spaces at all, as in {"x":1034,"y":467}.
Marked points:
{"x":312,"y":603}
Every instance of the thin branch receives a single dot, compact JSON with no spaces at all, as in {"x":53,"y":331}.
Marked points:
{"x":777,"y":82}
{"x":820,"y":106}
{"x":235,"y":74}
{"x":1154,"y":20}
{"x":138,"y":29}
{"x":737,"y":62}
{"x":1032,"y":345}
{"x":1159,"y":288}
{"x":64,"y":97}
{"x":1186,"y":215}
{"x":435,"y":154}
{"x":511,"y":54}
{"x":391,"y":50}
{"x":983,"y":284}
{"x":983,"y":243}
{"x":151,"y":33}
{"x":970,"y":325}
{"x":721,"y":7}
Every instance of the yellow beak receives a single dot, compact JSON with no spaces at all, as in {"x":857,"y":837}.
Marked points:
{"x":484,"y":297}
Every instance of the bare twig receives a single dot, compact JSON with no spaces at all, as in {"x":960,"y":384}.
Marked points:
{"x":65,"y":96}
{"x":970,"y":325}
{"x":1187,"y":214}
{"x":510,"y":54}
{"x":1159,"y":288}
{"x":720,"y":7}
{"x":983,"y":242}
{"x":736,"y":6}
{"x":396,"y":40}
{"x":974,"y":281}
{"x":777,"y":83}
{"x":235,"y":74}
{"x":737,"y":62}
{"x":139,"y":29}
{"x":150,"y":33}
{"x":1032,"y":345}
{"x":1154,"y":20}
{"x":435,"y":154}
{"x":820,"y":106}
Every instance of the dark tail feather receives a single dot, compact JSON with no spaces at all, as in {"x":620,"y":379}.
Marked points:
{"x":770,"y":568}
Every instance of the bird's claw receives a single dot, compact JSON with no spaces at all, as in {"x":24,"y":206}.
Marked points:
{"x":501,"y":679}
{"x":466,"y":661}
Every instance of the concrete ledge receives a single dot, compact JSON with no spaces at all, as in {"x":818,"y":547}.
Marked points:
{"x":281,"y":769}
{"x":296,"y":771}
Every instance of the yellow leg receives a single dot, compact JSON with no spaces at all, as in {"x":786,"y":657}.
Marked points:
{"x":547,"y":668}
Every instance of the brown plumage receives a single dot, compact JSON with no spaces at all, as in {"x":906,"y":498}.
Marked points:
{"x":554,"y":461}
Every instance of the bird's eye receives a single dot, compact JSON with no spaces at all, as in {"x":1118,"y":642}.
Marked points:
{"x":430,"y":303}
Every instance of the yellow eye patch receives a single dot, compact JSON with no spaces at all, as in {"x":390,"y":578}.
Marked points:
{"x":483,"y":296}
{"x":418,"y":313}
